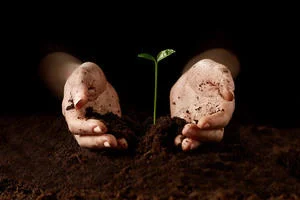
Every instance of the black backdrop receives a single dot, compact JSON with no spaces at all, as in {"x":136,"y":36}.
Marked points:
{"x":267,"y":87}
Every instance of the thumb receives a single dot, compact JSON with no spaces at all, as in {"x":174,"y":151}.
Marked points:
{"x":79,"y":95}
{"x":87,"y":82}
{"x":226,"y":93}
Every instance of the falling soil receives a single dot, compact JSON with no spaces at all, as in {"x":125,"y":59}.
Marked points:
{"x":119,"y":127}
{"x":40,"y":159}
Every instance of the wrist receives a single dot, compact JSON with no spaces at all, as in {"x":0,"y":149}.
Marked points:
{"x":218,"y":55}
{"x":55,"y":69}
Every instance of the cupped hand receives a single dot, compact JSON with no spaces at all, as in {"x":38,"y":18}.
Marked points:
{"x":87,"y":86}
{"x":204,"y":97}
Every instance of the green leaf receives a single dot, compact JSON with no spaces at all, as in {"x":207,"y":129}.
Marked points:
{"x":146,"y":56}
{"x":165,"y":53}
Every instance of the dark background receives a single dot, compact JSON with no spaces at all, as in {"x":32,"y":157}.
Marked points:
{"x":266,"y":44}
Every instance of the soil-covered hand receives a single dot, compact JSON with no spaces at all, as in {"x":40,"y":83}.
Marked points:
{"x":87,"y":87}
{"x":204,"y":97}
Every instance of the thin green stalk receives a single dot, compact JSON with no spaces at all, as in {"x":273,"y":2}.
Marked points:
{"x":155,"y":92}
{"x":161,"y":55}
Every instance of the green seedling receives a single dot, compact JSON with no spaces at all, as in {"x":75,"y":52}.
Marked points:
{"x":160,"y":56}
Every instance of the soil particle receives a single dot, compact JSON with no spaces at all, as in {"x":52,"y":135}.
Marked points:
{"x":291,"y":161}
{"x":40,"y":159}
{"x":120,"y":127}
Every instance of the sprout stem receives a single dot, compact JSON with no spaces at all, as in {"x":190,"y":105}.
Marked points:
{"x":161,"y":55}
{"x":155,"y":91}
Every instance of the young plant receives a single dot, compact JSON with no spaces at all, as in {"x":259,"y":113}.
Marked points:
{"x":160,"y":56}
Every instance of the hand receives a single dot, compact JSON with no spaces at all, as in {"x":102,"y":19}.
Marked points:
{"x":204,"y":97}
{"x":87,"y":87}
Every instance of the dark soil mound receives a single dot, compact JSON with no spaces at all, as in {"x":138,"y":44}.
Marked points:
{"x":41,"y":160}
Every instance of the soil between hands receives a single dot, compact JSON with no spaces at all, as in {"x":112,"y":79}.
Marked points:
{"x":41,"y":160}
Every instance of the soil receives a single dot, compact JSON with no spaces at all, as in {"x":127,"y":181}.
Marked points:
{"x":40,"y":159}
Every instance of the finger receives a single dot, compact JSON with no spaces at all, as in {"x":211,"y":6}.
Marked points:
{"x":80,"y":96}
{"x":97,"y":141}
{"x":219,"y":119}
{"x":78,"y":125}
{"x":226,"y":85}
{"x":178,"y":140}
{"x":87,"y":82}
{"x":86,"y":127}
{"x":194,"y":132}
{"x":122,"y":143}
{"x":189,"y":144}
{"x":93,"y":78}
{"x":226,"y":94}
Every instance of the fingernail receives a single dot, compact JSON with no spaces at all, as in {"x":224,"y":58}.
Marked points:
{"x":78,"y":103}
{"x":186,"y":128}
{"x":123,"y":143}
{"x":227,"y":95}
{"x":206,"y":125}
{"x":97,"y":129}
{"x":185,"y":145}
{"x":106,"y":144}
{"x":178,"y":139}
